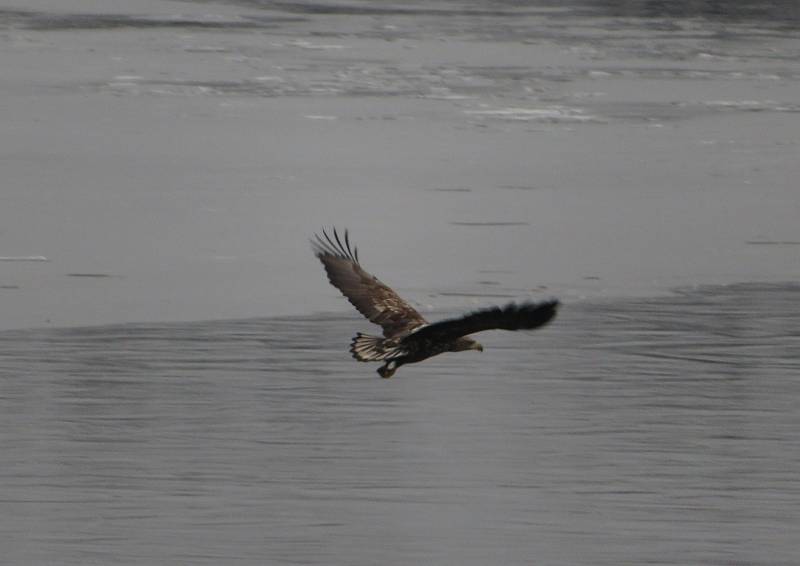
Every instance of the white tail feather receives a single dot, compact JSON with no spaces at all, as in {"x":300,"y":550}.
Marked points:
{"x":366,"y":348}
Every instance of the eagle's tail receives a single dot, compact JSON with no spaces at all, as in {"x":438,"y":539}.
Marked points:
{"x":366,"y":348}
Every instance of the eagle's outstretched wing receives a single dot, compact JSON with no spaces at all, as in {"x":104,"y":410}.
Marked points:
{"x":524,"y":316}
{"x":367,"y":293}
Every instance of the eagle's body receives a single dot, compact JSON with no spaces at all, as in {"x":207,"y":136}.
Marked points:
{"x":407,"y":336}
{"x":404,"y":349}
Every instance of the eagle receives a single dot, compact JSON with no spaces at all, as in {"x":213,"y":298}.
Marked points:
{"x":407,"y":336}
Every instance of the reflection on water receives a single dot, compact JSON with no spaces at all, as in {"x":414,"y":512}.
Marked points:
{"x":658,"y":431}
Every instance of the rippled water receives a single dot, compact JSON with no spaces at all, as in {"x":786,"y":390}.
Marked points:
{"x":595,"y":147}
{"x":647,"y":431}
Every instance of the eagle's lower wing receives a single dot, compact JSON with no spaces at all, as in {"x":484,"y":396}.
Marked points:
{"x":367,"y":293}
{"x":525,"y":316}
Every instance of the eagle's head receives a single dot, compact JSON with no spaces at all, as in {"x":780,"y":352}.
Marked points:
{"x":465,"y":343}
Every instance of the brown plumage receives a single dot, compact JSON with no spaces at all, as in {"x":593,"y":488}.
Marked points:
{"x":407,"y":336}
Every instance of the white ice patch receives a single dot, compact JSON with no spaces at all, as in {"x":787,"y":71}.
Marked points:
{"x":316,"y":46}
{"x":753,"y":105}
{"x":546,"y":114}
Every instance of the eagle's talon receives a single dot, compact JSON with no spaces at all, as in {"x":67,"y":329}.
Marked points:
{"x":387,"y":370}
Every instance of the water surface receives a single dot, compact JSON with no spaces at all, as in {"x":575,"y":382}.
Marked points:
{"x":188,"y":150}
{"x":628,"y":432}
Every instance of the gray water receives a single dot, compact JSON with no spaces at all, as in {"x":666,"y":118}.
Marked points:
{"x":641,"y":431}
{"x":167,"y":161}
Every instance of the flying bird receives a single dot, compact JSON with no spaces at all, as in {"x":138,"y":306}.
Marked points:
{"x":407,"y":336}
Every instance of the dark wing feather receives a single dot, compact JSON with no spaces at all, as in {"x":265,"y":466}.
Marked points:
{"x":367,"y":293}
{"x":510,"y":317}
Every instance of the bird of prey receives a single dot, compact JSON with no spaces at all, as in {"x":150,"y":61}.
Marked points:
{"x":407,"y":336}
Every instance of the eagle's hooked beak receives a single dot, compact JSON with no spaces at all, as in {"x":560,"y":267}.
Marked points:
{"x":477,"y":346}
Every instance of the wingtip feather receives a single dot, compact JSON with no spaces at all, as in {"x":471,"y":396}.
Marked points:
{"x":335,"y":245}
{"x":529,"y":315}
